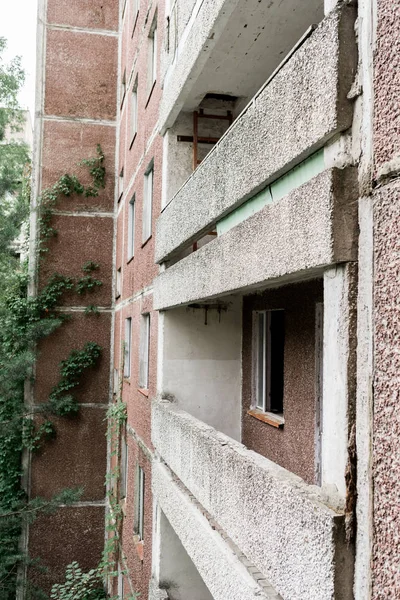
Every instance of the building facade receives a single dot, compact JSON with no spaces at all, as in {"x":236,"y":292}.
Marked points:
{"x":247,"y":242}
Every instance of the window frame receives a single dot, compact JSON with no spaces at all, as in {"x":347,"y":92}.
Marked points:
{"x":127,"y":347}
{"x":140,"y":480}
{"x":131,"y":228}
{"x":121,"y":184}
{"x":147,"y":216}
{"x":118,"y":283}
{"x":134,"y":111}
{"x":123,"y":88}
{"x":262,"y":359}
{"x":152,"y":65}
{"x":144,"y":351}
{"x":124,"y":467}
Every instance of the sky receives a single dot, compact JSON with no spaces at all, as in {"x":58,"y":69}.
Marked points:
{"x":18,"y":26}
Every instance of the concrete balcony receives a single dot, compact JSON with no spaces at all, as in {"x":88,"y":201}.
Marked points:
{"x":290,"y":531}
{"x":296,"y":112}
{"x":311,"y":228}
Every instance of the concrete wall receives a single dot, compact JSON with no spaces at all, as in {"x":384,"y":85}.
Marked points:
{"x":287,"y":528}
{"x":339,"y":366}
{"x":271,"y":133}
{"x":202,"y":363}
{"x":178,"y":574}
{"x":386,"y":424}
{"x":292,"y":447}
{"x":222,"y":569}
{"x":312,"y":227}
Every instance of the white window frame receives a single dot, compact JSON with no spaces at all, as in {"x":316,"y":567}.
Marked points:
{"x":135,"y":12}
{"x":134,"y":110}
{"x":128,"y":347}
{"x":120,"y":582}
{"x":116,"y":382}
{"x":139,"y":504}
{"x":152,"y":57}
{"x":121,"y":184}
{"x":118,"y":283}
{"x":124,"y":467}
{"x":144,"y":351}
{"x":262,"y":357}
{"x":131,"y":228}
{"x":148,"y":185}
{"x":123,"y":87}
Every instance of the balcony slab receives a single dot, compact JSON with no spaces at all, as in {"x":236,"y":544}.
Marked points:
{"x":313,"y":227}
{"x":302,"y":107}
{"x":292,"y":532}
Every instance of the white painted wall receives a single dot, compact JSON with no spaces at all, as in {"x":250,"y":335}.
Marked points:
{"x":202,"y":364}
{"x":178,"y":575}
{"x":336,"y":355}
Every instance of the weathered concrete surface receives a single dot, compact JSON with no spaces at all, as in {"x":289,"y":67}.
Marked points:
{"x":387,"y":84}
{"x":284,"y":526}
{"x":386,"y":424}
{"x":271,"y":133}
{"x":312,"y":227}
{"x":221,"y":570}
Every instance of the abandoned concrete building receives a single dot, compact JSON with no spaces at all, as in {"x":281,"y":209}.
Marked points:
{"x":248,"y":244}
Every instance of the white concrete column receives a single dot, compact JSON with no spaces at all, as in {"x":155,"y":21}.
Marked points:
{"x":338,"y":371}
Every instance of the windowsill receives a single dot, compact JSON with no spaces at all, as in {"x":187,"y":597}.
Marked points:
{"x":139,"y":545}
{"x":122,"y":101}
{"x":120,"y":196}
{"x":118,"y":296}
{"x":144,"y":391}
{"x":130,"y":259}
{"x":148,"y":239}
{"x":133,"y":139}
{"x":267,"y":417}
{"x":153,"y":85}
{"x":127,"y":379}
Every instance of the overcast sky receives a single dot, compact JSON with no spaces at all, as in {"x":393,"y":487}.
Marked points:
{"x":18,"y":26}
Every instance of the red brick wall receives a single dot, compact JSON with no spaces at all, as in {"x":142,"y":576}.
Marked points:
{"x":138,"y":273}
{"x":78,"y":112}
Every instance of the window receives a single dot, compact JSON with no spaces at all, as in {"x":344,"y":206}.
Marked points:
{"x":116,"y":382}
{"x":152,"y":57}
{"x":135,"y":12}
{"x":139,"y":504}
{"x":127,"y":347}
{"x":123,"y":467}
{"x":131,"y":229}
{"x":120,"y":582}
{"x":144,"y":352}
{"x":270,"y":360}
{"x":147,"y":204}
{"x":120,"y":184}
{"x":134,"y":110}
{"x":118,"y":283}
{"x":123,"y":87}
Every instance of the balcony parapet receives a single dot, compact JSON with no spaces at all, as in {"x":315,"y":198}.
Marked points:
{"x":292,"y":116}
{"x":313,"y":227}
{"x":224,"y":570}
{"x":291,"y":531}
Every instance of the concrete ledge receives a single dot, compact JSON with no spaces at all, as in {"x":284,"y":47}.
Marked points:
{"x":284,"y":526}
{"x":221,"y":570}
{"x":312,"y":227}
{"x":294,"y":115}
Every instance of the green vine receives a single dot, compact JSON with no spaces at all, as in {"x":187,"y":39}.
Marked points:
{"x":24,"y":321}
{"x":60,"y":401}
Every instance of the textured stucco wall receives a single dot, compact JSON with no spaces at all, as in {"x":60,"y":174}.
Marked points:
{"x":272,"y":134}
{"x":312,"y":227}
{"x":285,"y":527}
{"x":386,"y":448}
{"x":221,"y":570}
{"x":292,"y":447}
{"x":387,"y":84}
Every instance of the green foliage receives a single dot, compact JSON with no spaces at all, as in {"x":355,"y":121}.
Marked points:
{"x":24,"y":321}
{"x":79,"y":585}
{"x":91,"y":309}
{"x":12,"y":77}
{"x":60,"y":402}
